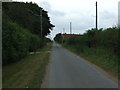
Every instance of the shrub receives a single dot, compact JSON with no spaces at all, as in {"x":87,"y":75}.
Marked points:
{"x":34,"y":42}
{"x":15,"y":42}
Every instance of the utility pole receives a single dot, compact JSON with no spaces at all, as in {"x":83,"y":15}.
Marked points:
{"x":70,"y":28}
{"x":96,"y":17}
{"x":41,"y":20}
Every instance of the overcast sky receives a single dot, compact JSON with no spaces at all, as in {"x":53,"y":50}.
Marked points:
{"x":80,"y":12}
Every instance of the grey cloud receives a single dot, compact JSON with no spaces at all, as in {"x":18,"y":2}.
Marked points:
{"x":107,"y":15}
{"x":57,"y":13}
{"x":119,"y":14}
{"x":81,"y":20}
{"x":6,"y":0}
{"x":78,"y":23}
{"x":107,"y":19}
{"x":47,"y":6}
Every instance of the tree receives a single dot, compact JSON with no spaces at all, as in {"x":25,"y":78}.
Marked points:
{"x":21,"y":30}
{"x":58,"y":38}
{"x":28,"y":16}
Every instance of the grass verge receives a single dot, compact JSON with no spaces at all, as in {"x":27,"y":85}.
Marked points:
{"x":27,"y":73}
{"x":100,"y":56}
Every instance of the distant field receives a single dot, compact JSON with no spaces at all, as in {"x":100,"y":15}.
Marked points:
{"x":29,"y":72}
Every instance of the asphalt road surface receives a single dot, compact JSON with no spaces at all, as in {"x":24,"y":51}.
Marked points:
{"x":67,"y":70}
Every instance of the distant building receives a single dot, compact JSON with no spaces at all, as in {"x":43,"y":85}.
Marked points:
{"x":66,"y":36}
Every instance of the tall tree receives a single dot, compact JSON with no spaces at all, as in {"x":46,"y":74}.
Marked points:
{"x":28,"y":15}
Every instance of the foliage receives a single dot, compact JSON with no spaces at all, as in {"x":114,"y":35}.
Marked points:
{"x":58,"y":38}
{"x":100,"y":46}
{"x":21,"y":30}
{"x":15,"y":43}
{"x":28,"y":16}
{"x":96,"y":38}
{"x":34,"y":43}
{"x":27,"y":73}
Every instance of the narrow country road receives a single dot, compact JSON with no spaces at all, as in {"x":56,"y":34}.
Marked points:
{"x":67,"y":70}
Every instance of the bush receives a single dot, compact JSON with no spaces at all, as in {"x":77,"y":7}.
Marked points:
{"x":93,"y":38}
{"x":34,"y":43}
{"x":20,"y":37}
{"x":15,"y":42}
{"x":98,"y":46}
{"x":58,"y":38}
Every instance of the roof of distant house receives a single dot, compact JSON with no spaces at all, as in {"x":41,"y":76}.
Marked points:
{"x":69,"y":35}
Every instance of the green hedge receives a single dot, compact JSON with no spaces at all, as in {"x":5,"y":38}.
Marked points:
{"x":34,"y":43}
{"x":17,"y":42}
{"x":93,"y":38}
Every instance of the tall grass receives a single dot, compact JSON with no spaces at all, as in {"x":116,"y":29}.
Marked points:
{"x":27,"y":73}
{"x":103,"y":57}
